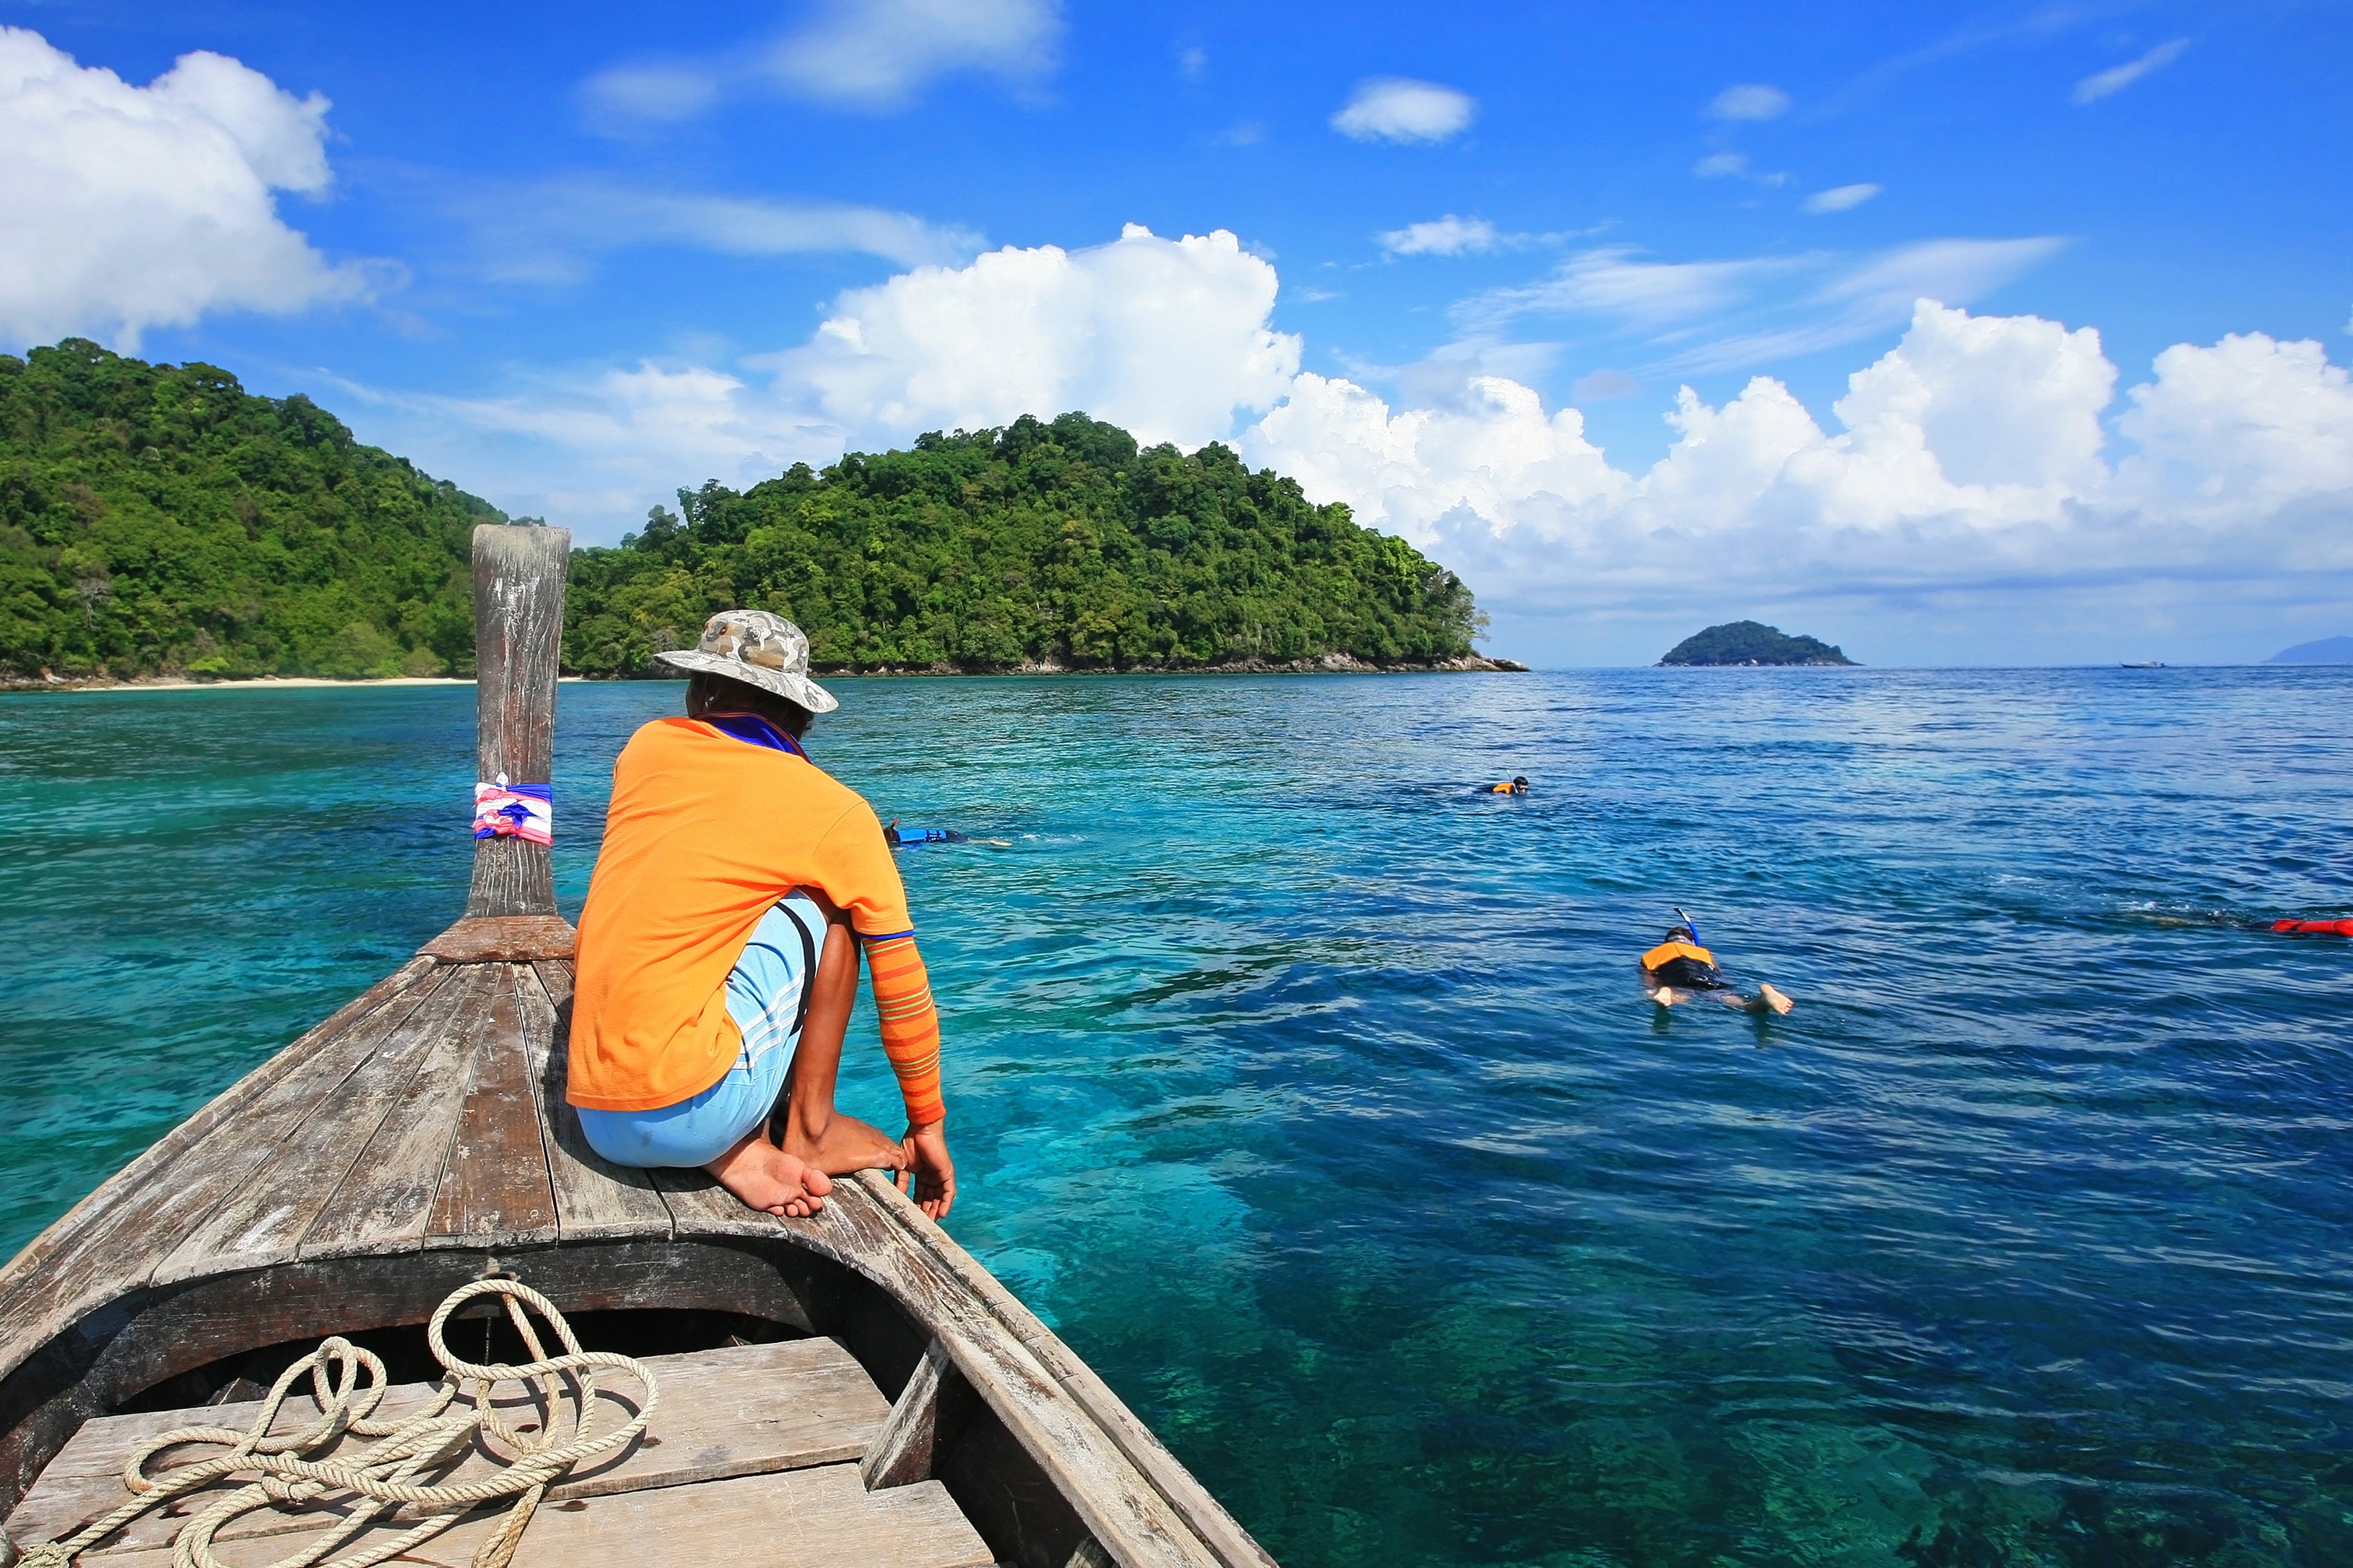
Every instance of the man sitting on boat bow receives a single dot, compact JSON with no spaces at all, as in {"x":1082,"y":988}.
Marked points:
{"x":718,"y":952}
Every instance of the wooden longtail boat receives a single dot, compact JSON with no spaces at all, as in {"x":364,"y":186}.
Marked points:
{"x":852,"y":1388}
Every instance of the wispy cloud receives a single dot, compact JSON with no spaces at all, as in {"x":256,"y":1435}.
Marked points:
{"x":1398,"y":109}
{"x":1448,"y":236}
{"x":648,"y":94}
{"x":873,"y":56}
{"x":1750,"y":100}
{"x":1741,"y":313}
{"x":877,"y":54}
{"x":2048,"y":22}
{"x":1614,"y":282}
{"x":1841,"y":198}
{"x":544,"y":231}
{"x":2115,"y":78}
{"x":1876,"y":293}
{"x":1726,"y":165}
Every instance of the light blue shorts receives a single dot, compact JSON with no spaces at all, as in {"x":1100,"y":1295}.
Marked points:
{"x":767,"y":996}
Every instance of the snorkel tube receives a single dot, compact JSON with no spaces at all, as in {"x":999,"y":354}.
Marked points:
{"x":1690,"y":925}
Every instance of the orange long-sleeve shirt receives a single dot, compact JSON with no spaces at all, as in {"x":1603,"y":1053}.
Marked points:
{"x":705,"y":833}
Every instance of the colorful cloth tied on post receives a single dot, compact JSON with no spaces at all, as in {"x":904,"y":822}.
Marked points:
{"x":527,"y":812}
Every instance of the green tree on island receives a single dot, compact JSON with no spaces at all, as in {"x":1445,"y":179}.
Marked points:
{"x":159,"y":517}
{"x":161,"y":520}
{"x":1041,"y":543}
{"x":1751,"y":642}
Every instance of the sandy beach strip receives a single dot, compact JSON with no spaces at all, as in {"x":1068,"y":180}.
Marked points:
{"x":254,"y":683}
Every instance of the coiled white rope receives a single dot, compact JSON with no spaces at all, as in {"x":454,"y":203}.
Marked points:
{"x":348,"y":1382}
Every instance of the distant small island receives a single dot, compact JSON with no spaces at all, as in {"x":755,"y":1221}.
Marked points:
{"x":2328,"y":650}
{"x":1750,"y":642}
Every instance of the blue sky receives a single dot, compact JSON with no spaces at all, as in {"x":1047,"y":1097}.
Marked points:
{"x":574,"y":258}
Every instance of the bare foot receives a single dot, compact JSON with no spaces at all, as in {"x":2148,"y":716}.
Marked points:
{"x":845,"y":1144}
{"x":1666,"y":996}
{"x":768,"y":1179}
{"x":1774,"y":999}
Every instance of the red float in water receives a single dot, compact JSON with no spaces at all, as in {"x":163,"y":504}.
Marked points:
{"x":2314,"y":928}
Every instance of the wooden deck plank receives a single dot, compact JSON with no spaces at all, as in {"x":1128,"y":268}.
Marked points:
{"x":383,"y":1202}
{"x":496,"y":1191}
{"x":265,"y":1220}
{"x":110,"y":1242}
{"x":1130,"y":1516}
{"x":744,"y":1410}
{"x":699,"y":1206}
{"x":594,"y":1198}
{"x":503,"y":938}
{"x":819,"y":1517}
{"x":1194,"y":1502}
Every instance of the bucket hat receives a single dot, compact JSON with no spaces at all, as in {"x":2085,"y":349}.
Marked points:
{"x":759,"y":649}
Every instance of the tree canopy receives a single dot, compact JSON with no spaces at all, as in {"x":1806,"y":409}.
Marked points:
{"x":1039,"y":543}
{"x":1751,"y":642}
{"x":159,"y":517}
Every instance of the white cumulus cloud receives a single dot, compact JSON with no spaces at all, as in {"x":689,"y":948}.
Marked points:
{"x":1165,"y":337}
{"x":127,"y":207}
{"x":1984,"y":463}
{"x":1448,"y":236}
{"x":1970,"y":457}
{"x":2115,"y":78}
{"x":1750,"y":100}
{"x":1398,"y":109}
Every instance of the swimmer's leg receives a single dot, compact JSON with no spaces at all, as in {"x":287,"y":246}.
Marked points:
{"x":1665,"y":996}
{"x":1766,"y":1000}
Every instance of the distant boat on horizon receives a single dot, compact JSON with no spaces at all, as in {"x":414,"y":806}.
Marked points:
{"x":2143,"y":664}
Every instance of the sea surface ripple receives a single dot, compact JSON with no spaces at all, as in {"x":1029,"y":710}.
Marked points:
{"x":1314,"y":1098}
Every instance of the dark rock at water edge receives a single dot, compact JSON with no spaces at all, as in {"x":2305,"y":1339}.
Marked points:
{"x":1751,"y":643}
{"x":2328,"y":650}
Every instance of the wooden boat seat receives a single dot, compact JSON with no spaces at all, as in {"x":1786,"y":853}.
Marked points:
{"x":753,"y":1460}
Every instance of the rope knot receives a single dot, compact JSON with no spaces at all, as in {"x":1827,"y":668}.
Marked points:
{"x":347,"y":1383}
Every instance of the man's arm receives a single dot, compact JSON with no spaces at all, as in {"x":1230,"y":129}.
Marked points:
{"x":910,"y":1038}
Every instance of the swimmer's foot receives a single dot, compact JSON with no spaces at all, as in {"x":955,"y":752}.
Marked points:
{"x":768,"y":1179}
{"x":1774,"y":999}
{"x":842,"y":1145}
{"x":1666,"y":996}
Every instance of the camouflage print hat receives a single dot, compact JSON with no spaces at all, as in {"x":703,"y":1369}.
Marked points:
{"x":758,"y":649}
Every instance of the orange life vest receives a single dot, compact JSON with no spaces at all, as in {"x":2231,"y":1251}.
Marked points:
{"x":1667,"y":952}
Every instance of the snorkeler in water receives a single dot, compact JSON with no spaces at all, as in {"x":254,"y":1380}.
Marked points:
{"x":1680,"y":970}
{"x":898,"y":837}
{"x":1518,"y":784}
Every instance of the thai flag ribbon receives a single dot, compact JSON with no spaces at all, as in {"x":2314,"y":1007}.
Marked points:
{"x":527,"y":812}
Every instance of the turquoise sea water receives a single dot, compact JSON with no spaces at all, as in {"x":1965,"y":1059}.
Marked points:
{"x":1316,"y":1102}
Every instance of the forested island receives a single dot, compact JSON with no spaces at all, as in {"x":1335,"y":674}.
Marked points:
{"x":1750,"y":642}
{"x":159,"y":520}
{"x":1041,"y":544}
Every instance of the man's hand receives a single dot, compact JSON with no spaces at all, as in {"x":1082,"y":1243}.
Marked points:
{"x":930,"y":1175}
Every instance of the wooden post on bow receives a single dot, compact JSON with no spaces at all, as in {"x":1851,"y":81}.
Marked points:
{"x":518,"y":642}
